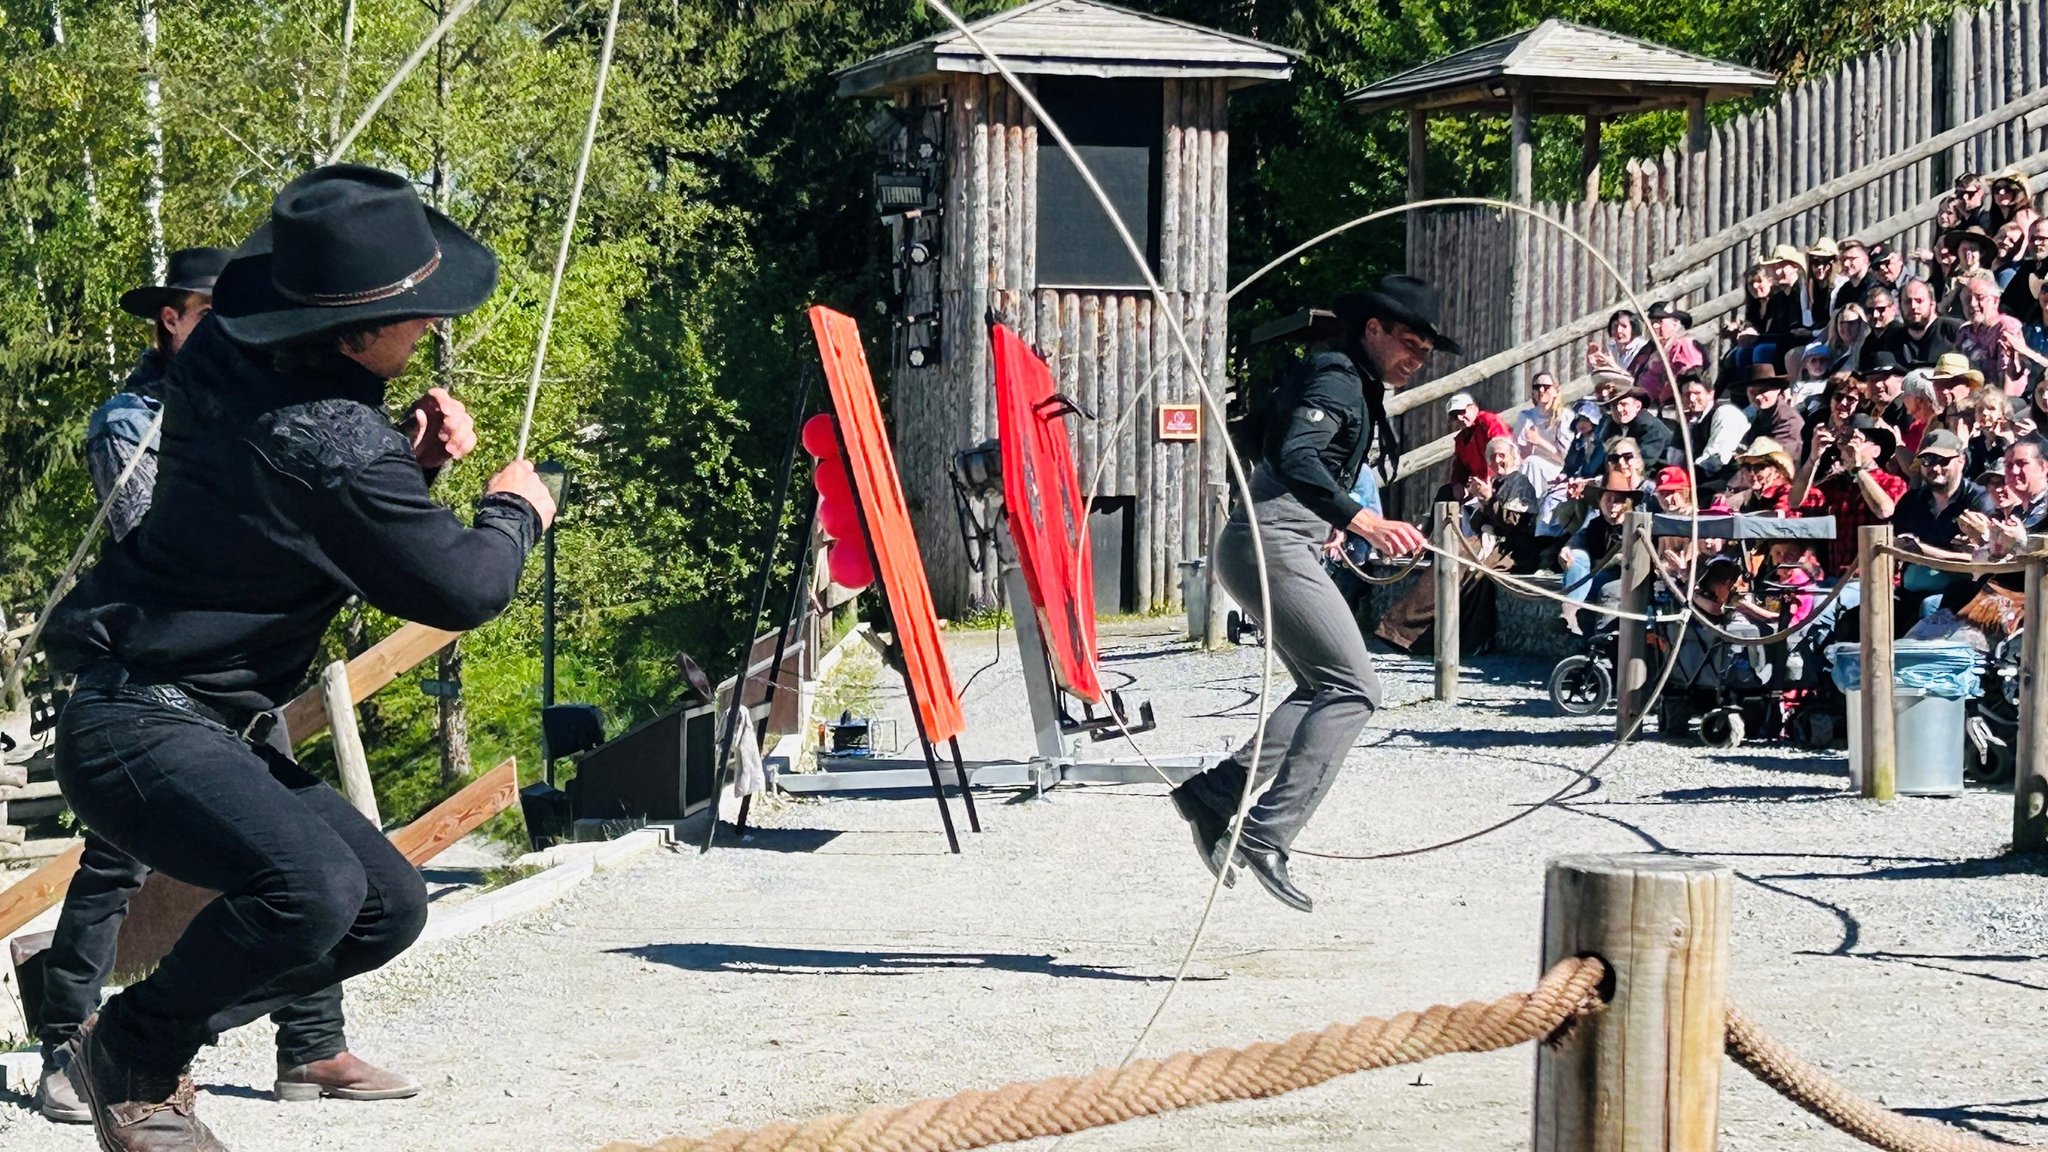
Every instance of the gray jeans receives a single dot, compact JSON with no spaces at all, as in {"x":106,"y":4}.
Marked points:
{"x":1313,"y":633}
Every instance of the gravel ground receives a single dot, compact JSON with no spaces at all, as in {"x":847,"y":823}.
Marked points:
{"x":839,"y":958}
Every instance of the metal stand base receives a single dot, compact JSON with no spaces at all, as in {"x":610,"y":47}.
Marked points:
{"x":847,"y":775}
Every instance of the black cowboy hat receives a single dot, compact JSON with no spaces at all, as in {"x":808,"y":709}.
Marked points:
{"x":1971,"y":234}
{"x":1765,"y":374}
{"x":191,"y":270}
{"x":349,"y":244}
{"x":1663,"y":308}
{"x":1880,"y":364}
{"x":1402,"y":299}
{"x":1877,"y":432}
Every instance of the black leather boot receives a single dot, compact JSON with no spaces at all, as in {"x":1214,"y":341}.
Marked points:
{"x":1211,"y":831}
{"x":1269,"y":867}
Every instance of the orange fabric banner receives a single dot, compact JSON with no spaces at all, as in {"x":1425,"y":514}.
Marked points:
{"x":880,"y":493}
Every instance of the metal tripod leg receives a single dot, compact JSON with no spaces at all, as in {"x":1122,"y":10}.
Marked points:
{"x":966,"y":790}
{"x":931,"y":764}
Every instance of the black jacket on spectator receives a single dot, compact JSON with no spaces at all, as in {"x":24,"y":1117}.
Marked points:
{"x":277,"y":498}
{"x":1650,"y":433}
{"x":2019,"y":300}
{"x":1783,"y":319}
{"x":1318,"y":433}
{"x":1852,"y":292}
{"x":1924,"y":349}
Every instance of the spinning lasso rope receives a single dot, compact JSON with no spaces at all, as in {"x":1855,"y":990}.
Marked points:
{"x":1213,"y":404}
{"x":1063,"y":1105}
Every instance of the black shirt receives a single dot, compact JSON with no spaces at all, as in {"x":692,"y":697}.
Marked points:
{"x":277,"y":498}
{"x":1918,"y":351}
{"x":1648,"y":430}
{"x":1318,"y":434}
{"x":1916,"y":516}
{"x":2019,"y":299}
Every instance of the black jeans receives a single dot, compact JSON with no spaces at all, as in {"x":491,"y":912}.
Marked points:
{"x":82,"y":953}
{"x":311,"y":893}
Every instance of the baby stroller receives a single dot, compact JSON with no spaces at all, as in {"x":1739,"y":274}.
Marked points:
{"x":1992,"y":729}
{"x":1730,"y":691}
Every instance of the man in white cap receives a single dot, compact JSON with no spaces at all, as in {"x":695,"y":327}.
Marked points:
{"x":1475,"y":426}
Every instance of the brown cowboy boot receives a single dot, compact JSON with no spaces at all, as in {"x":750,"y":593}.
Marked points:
{"x":346,"y":1076}
{"x":135,"y":1111}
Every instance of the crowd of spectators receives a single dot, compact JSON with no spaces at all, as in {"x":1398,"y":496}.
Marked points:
{"x":1858,"y":381}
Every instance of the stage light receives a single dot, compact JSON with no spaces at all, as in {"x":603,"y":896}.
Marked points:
{"x":919,"y":254}
{"x":899,"y":192}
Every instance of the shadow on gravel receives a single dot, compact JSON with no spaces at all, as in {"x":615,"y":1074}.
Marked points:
{"x":773,"y":839}
{"x":1931,"y":870}
{"x":1974,"y":1116}
{"x":1785,"y":793}
{"x":885,"y":962}
{"x":238,"y":1091}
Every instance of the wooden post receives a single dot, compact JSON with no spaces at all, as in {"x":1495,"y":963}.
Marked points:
{"x":1418,"y":183}
{"x":348,"y":741}
{"x":1447,"y":583}
{"x":1589,"y":158}
{"x":1645,"y":1074}
{"x":1696,"y":124}
{"x":1880,"y":747}
{"x":1522,"y":145}
{"x":1523,"y":320}
{"x":1630,"y":670}
{"x":2030,"y":758}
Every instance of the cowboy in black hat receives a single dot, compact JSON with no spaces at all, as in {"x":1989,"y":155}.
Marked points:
{"x":286,"y":492}
{"x":1323,"y":422}
{"x":121,"y":426}
{"x":312,"y":1051}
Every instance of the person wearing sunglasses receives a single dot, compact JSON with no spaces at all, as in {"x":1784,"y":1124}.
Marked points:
{"x":1973,"y":201}
{"x":1930,"y":518}
{"x":2021,"y":298}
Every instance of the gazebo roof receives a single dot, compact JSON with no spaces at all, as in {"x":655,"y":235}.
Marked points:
{"x":1075,"y":38}
{"x":1566,"y":68}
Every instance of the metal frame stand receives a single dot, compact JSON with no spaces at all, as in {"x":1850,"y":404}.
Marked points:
{"x":1054,"y":764}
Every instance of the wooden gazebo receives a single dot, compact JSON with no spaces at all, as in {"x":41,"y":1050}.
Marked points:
{"x":1557,"y":68}
{"x":987,"y":215}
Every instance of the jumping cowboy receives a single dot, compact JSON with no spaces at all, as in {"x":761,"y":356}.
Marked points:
{"x":283,"y":490}
{"x":1324,"y":420}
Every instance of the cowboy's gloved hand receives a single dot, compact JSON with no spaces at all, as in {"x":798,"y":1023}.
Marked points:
{"x":440,"y":429}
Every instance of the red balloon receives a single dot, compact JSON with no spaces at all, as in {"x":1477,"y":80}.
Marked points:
{"x":847,"y":559}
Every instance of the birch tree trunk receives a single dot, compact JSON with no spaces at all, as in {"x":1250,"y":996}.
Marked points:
{"x":153,"y":118}
{"x":455,"y":762}
{"x":92,"y":184}
{"x":348,"y":41}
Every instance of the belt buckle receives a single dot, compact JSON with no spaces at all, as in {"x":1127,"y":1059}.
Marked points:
{"x":259,"y":727}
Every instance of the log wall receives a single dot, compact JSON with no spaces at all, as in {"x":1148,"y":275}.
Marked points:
{"x":1110,"y":350}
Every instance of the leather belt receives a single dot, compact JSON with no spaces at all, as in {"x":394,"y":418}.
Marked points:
{"x":115,"y":679}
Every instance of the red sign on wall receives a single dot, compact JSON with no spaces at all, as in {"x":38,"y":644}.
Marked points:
{"x":1180,"y":421}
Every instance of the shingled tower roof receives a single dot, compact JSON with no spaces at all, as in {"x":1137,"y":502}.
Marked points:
{"x":1567,"y":69}
{"x":1075,"y":38}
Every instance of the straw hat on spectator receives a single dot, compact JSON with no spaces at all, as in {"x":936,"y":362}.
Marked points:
{"x":1763,"y":449}
{"x":1823,"y":249}
{"x":1786,"y":254}
{"x":1953,"y":366}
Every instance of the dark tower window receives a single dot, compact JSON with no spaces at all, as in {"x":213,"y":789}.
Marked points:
{"x":1116,"y":126}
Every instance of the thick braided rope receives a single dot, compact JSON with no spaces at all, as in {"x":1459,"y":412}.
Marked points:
{"x":1065,"y":1104}
{"x":1827,"y":1098}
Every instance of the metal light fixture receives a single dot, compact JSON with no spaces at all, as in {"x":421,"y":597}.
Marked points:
{"x":921,"y":339}
{"x":918,"y":254}
{"x":900,"y":192}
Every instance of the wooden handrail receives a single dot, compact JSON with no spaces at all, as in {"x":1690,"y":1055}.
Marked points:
{"x":1439,"y":450}
{"x":386,"y":660}
{"x":1477,"y":372}
{"x":1754,"y":225}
